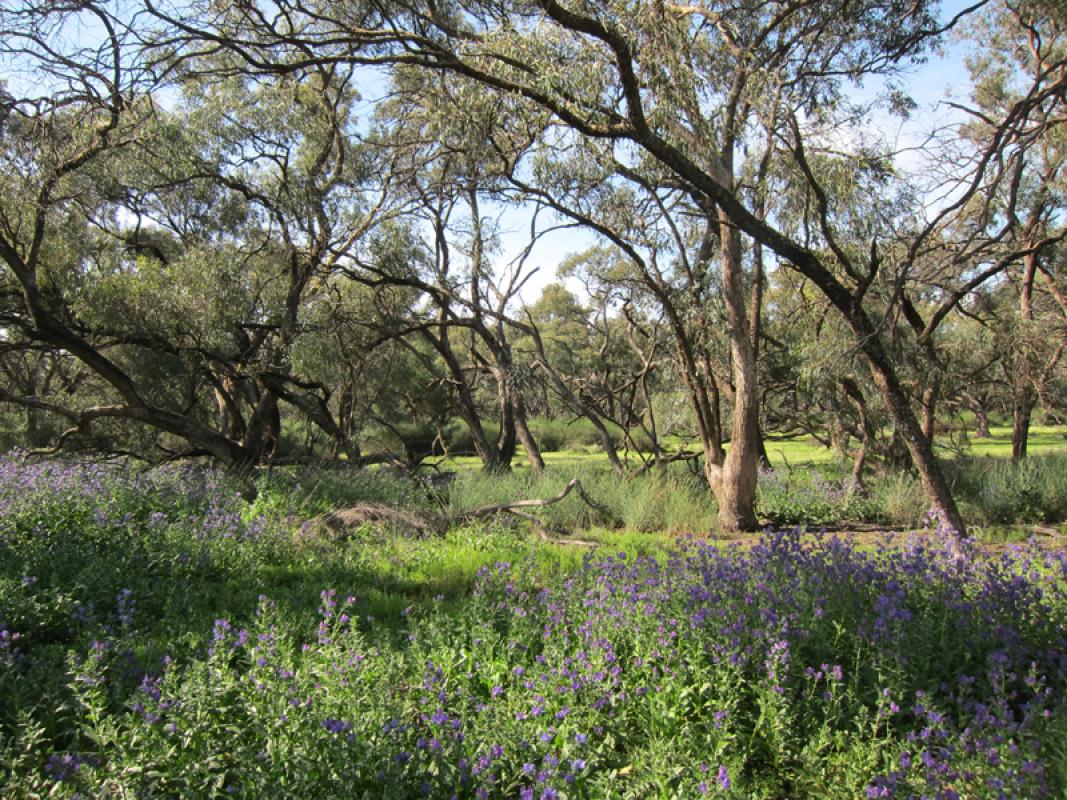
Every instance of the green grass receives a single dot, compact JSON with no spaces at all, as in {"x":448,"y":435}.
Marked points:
{"x":798,"y":451}
{"x":1043,"y":439}
{"x":488,"y":659}
{"x":801,"y":451}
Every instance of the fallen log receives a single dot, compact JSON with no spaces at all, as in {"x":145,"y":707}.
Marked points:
{"x":339,"y":524}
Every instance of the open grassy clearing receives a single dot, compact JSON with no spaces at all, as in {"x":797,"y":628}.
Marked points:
{"x":803,"y":451}
{"x":1042,"y":439}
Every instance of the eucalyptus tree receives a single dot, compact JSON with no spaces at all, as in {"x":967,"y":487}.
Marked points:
{"x":556,"y":333}
{"x":168,"y":226}
{"x":71,"y":108}
{"x":987,"y":212}
{"x":813,"y":382}
{"x":633,"y":367}
{"x":446,"y":251}
{"x":287,"y":149}
{"x":563,"y":324}
{"x":1019,"y":96}
{"x":683,"y":86}
{"x":378,"y":390}
{"x":604,"y":361}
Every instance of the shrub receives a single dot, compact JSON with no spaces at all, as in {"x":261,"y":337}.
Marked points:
{"x":157,"y":638}
{"x":809,"y":497}
{"x":551,"y":433}
{"x":784,"y":670}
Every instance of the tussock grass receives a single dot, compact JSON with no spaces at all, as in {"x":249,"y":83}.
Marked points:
{"x":1000,"y":492}
{"x":671,"y":501}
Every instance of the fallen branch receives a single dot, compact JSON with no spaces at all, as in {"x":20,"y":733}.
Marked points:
{"x":1052,"y":532}
{"x":681,"y":455}
{"x":573,"y":485}
{"x":337,"y":523}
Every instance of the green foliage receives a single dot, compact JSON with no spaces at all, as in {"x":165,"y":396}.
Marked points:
{"x":810,"y":497}
{"x":570,"y":433}
{"x":999,"y":492}
{"x":214,"y":656}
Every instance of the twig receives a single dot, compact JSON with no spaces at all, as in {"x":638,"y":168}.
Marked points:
{"x":573,"y":485}
{"x":681,"y":455}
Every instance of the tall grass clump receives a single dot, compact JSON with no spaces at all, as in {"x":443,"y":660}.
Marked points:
{"x":552,"y":433}
{"x":989,"y":491}
{"x":671,"y":501}
{"x":901,"y":499}
{"x":1000,"y":492}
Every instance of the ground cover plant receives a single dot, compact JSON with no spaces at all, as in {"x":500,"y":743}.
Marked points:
{"x":162,"y":636}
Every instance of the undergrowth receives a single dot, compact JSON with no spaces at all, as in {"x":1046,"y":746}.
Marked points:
{"x":159,"y":636}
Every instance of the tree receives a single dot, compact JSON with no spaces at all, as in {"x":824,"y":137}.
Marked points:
{"x":173,"y":251}
{"x":446,"y":254}
{"x":603,"y":362}
{"x":684,"y":86}
{"x":94,"y":106}
{"x":1019,"y":97}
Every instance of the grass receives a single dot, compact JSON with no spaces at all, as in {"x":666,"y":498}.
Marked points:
{"x":807,"y":485}
{"x":804,"y":451}
{"x":1043,"y":439}
{"x":161,"y":637}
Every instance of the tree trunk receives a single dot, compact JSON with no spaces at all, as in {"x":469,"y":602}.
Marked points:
{"x":919,"y":445}
{"x":1024,"y":396}
{"x":734,"y":483}
{"x":756,"y":303}
{"x":463,"y":397}
{"x":929,"y":404}
{"x":35,"y":434}
{"x":1021,"y":412}
{"x":505,"y":443}
{"x":486,"y":451}
{"x":981,"y":421}
{"x":859,"y":460}
{"x":264,"y":427}
{"x":526,"y":437}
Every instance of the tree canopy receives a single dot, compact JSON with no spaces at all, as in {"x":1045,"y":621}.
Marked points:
{"x":269,"y":231}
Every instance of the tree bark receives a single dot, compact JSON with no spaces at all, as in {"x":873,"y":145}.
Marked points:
{"x":734,"y":483}
{"x":1024,"y":396}
{"x":1021,"y":413}
{"x":526,"y":437}
{"x":981,"y":420}
{"x":920,"y":447}
{"x":859,"y":461}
